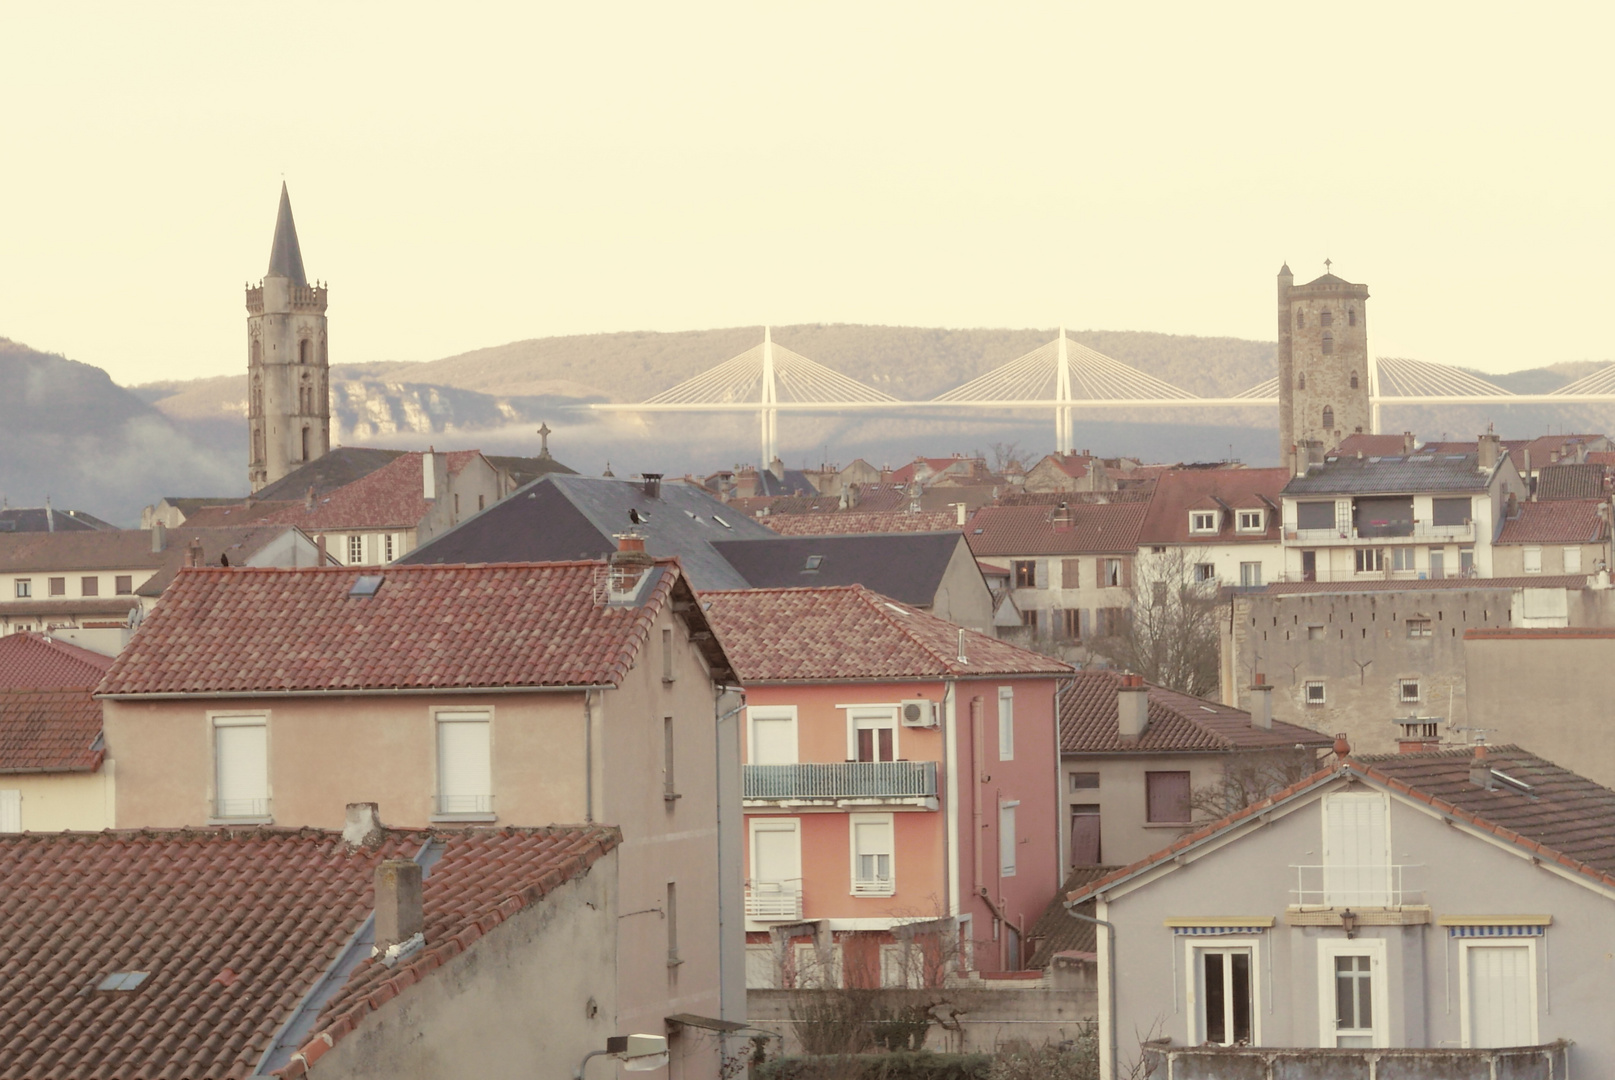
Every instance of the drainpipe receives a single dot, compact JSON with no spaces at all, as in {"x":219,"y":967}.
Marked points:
{"x":977,"y":886}
{"x":1062,"y":843}
{"x":720,"y":691}
{"x":1110,"y":973}
{"x":950,"y":750}
{"x":588,"y":758}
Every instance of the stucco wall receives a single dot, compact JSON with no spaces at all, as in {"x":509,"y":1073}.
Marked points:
{"x":516,"y":1004}
{"x":1453,"y":872}
{"x":1508,"y":560}
{"x":1550,"y":696}
{"x":963,"y":597}
{"x":1125,"y":834}
{"x":57,"y":802}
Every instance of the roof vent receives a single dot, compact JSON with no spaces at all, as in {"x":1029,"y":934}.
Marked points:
{"x":123,"y":980}
{"x":365,"y":585}
{"x":813,"y":563}
{"x":652,"y":484}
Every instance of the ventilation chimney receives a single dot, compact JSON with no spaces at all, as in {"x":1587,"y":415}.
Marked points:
{"x":626,"y":567}
{"x":963,"y":659}
{"x":159,"y":538}
{"x":1261,"y":702}
{"x":50,"y":516}
{"x":319,"y":549}
{"x":1489,"y":448}
{"x":652,"y":484}
{"x":1132,"y":708}
{"x":1480,"y":769}
{"x":193,"y":554}
{"x":398,"y":902}
{"x":362,"y":825}
{"x":429,"y":474}
{"x":1407,"y":442}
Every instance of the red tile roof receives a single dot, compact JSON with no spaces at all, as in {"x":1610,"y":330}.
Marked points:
{"x":1224,"y":491}
{"x":1372,"y":445}
{"x":1570,"y":481}
{"x":1560,"y":816}
{"x":1568,"y":521}
{"x":37,"y":661}
{"x":49,"y":731}
{"x":1535,"y":581}
{"x":1094,"y":528}
{"x":235,"y":513}
{"x":234,"y":928}
{"x":841,"y":523}
{"x":1606,"y":458}
{"x":427,"y":627}
{"x":841,"y":633}
{"x":392,"y":497}
{"x":1178,"y":723}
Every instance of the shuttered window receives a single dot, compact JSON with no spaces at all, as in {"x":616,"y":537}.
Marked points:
{"x":10,"y":810}
{"x":464,"y":770}
{"x":1167,"y":796}
{"x":1007,"y":844}
{"x":1315,"y":515}
{"x":872,"y":851}
{"x":1006,"y":723}
{"x":1070,"y":573}
{"x":1356,"y":850}
{"x":1500,"y":1009}
{"x":241,"y":758}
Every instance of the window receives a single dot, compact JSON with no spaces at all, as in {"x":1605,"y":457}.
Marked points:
{"x":1300,"y":319}
{"x":1351,"y":993}
{"x":1450,"y":511}
{"x":1205,"y":571}
{"x":1158,"y":593}
{"x":1354,"y":380}
{"x":1221,"y":997}
{"x":241,"y":767}
{"x":58,"y":586}
{"x":1301,"y":381}
{"x":672,"y":913}
{"x":89,"y":586}
{"x":1029,"y":619}
{"x":464,"y":764}
{"x":1202,"y":521}
{"x":1572,"y":560}
{"x":1326,"y":317}
{"x":667,"y":656}
{"x":1314,"y":693}
{"x":482,"y":501}
{"x":669,"y":790}
{"x":1315,"y":515}
{"x":1356,"y":850}
{"x":1314,"y":633}
{"x":1419,"y":628}
{"x":1250,"y":575}
{"x":1025,"y":573}
{"x":1402,"y":558}
{"x":1533,"y":560}
{"x":1084,"y":781}
{"x":1351,"y":316}
{"x":25,"y":588}
{"x":872,"y":849}
{"x":123,"y":584}
{"x":304,"y":351}
{"x":874,"y":735}
{"x":1498,"y":991}
{"x":1112,"y":621}
{"x":1085,"y":835}
{"x":307,"y":455}
{"x":355,"y":550}
{"x":775,"y":887}
{"x":1408,"y":691}
{"x":1466,"y":561}
{"x":1328,"y":343}
{"x":1328,"y":418}
{"x":1006,"y":723}
{"x":1071,"y":624}
{"x":1008,"y":845}
{"x":1370,"y":560}
{"x":10,"y":810}
{"x":771,"y":739}
{"x":1070,"y":573}
{"x":1251,"y":521}
{"x":1118,"y":573}
{"x":1438,"y":563}
{"x":389,"y":552}
{"x":1167,"y":798}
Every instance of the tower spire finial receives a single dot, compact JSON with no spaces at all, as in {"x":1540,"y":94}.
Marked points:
{"x":285,"y":256}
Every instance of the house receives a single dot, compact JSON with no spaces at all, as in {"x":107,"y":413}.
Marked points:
{"x":224,"y":953}
{"x":578,"y":517}
{"x":1397,"y":909}
{"x":1069,"y":472}
{"x":1072,"y":566}
{"x":900,"y":791}
{"x":931,"y":571}
{"x":1217,"y":526}
{"x":51,"y":753}
{"x":515,"y":695}
{"x":1140,"y":762}
{"x":1554,"y":537}
{"x":92,"y":587}
{"x":1588,"y":480}
{"x":171,"y":511}
{"x":1423,"y":515}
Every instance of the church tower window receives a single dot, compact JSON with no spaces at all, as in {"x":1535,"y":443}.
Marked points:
{"x":1354,"y":380}
{"x":1328,"y":418}
{"x":1328,"y":343}
{"x":305,"y":351}
{"x":1351,"y":316}
{"x":1327,"y":318}
{"x":306,"y":442}
{"x":1300,"y":319}
{"x":1301,"y":381}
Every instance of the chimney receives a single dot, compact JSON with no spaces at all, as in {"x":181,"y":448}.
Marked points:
{"x":308,"y":500}
{"x":959,"y":513}
{"x":159,"y":538}
{"x":652,"y":483}
{"x":1132,"y":708}
{"x":1407,"y":442}
{"x":627,"y":566}
{"x":429,"y":474}
{"x":319,"y":548}
{"x":777,"y":467}
{"x":362,"y":826}
{"x":398,"y":902}
{"x":1480,"y":769}
{"x":1342,"y":747}
{"x":193,"y":554}
{"x":1489,"y":448}
{"x":1261,"y":702}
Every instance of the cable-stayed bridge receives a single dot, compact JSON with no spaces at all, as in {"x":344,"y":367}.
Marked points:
{"x":1061,"y":376}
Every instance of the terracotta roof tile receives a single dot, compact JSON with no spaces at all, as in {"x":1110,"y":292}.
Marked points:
{"x":1178,"y":722}
{"x":1567,"y":521}
{"x":808,"y":634}
{"x":1225,"y":491}
{"x":37,"y":661}
{"x":393,"y":496}
{"x":1056,"y":931}
{"x":51,"y":730}
{"x":234,"y":928}
{"x":1083,"y":528}
{"x":844,"y":522}
{"x":1570,"y":481}
{"x":426,"y":627}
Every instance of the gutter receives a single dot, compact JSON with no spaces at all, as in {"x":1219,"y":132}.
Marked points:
{"x":189,"y":695}
{"x":939,"y":677}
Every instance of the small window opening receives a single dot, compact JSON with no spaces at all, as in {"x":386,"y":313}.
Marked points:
{"x":1354,"y":380}
{"x":1328,"y":343}
{"x":1328,"y":418}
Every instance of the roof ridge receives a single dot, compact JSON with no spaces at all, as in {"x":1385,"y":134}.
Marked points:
{"x":876,"y":600}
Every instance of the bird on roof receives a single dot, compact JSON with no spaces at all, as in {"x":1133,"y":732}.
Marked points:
{"x":636,"y":517}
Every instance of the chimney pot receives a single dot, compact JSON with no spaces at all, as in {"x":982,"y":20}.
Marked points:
{"x":193,"y":554}
{"x":319,"y":548}
{"x":652,"y":484}
{"x":1132,"y":708}
{"x":1342,"y":747}
{"x":1407,"y":442}
{"x":398,"y":902}
{"x":361,"y":827}
{"x":1261,"y":703}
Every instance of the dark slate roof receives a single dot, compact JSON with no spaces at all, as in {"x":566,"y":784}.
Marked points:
{"x":907,"y":567}
{"x":794,"y":481}
{"x":560,"y":517}
{"x":1570,"y":482}
{"x":285,"y":257}
{"x":1056,"y":931}
{"x":34,"y":519}
{"x":524,"y":470}
{"x":340,"y":467}
{"x":1179,"y":723}
{"x":1397,"y":475}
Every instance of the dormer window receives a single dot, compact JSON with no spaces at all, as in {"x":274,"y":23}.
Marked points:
{"x":1202,"y":521}
{"x":1251,"y":521}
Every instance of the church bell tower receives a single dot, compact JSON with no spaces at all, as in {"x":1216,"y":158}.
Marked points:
{"x":288,"y":365}
{"x":1323,"y":361}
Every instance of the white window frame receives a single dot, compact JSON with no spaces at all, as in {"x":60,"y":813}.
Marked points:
{"x":1257,"y":521}
{"x":440,"y":717}
{"x":773,"y":714}
{"x":1571,"y":556}
{"x":1531,"y":559}
{"x":1192,"y":946}
{"x":897,"y":965}
{"x":1250,"y":575}
{"x":217,"y":720}
{"x":873,"y":716}
{"x":1465,"y":1035}
{"x":875,"y":888}
{"x":24,"y":588}
{"x":1008,"y":839}
{"x":390,"y":547}
{"x":1006,"y":723}
{"x":1402,"y":691}
{"x":355,"y":549}
{"x":1306,"y":692}
{"x":10,"y":810}
{"x":1374,"y":949}
{"x":1202,"y":521}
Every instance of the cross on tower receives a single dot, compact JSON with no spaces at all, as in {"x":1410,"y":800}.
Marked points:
{"x":543,"y":439}
{"x":1328,"y":264}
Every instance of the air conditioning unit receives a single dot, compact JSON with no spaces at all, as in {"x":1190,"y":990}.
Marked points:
{"x":919,"y":713}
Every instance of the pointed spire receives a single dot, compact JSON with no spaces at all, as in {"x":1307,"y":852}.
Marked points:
{"x":1284,"y":271}
{"x":286,"y":258}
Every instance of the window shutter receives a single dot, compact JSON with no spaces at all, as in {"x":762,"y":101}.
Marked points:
{"x":1070,"y":573}
{"x":1086,"y":620}
{"x":465,"y":784}
{"x":1006,"y":724}
{"x":1006,"y":840}
{"x":1042,"y":573}
{"x":10,"y":810}
{"x":1127,"y":573}
{"x":1167,"y":795}
{"x":773,"y":741}
{"x":243,"y":763}
{"x":1572,"y":560}
{"x":1356,"y":858}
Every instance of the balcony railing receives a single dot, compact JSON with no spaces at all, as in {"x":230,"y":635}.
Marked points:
{"x":1418,"y":531}
{"x":1550,"y":1061}
{"x":774,"y":899}
{"x":1352,"y":886}
{"x":240,"y":809}
{"x":842,"y":780}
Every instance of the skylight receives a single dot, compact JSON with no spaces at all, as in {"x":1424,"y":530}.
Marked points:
{"x":722,"y":522}
{"x":813,"y":562}
{"x":897,"y":609}
{"x":365,"y":585}
{"x":123,"y":980}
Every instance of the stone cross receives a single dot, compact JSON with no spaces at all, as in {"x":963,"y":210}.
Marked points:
{"x":543,"y":439}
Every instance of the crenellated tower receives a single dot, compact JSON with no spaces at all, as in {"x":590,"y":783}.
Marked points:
{"x":1324,"y":377}
{"x":288,"y":362}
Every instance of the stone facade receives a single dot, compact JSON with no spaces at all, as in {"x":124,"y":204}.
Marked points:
{"x":1323,"y":361}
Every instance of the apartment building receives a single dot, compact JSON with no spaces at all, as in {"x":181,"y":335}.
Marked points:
{"x":1221,"y":526}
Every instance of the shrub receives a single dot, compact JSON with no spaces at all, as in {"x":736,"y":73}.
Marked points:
{"x":899,"y":1065}
{"x":1074,"y":1060}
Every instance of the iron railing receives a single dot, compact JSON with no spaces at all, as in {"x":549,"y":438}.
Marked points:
{"x":774,"y":899}
{"x":1354,"y":885}
{"x":842,"y":780}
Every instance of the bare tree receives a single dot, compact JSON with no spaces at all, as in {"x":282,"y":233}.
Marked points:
{"x":1169,"y":633}
{"x":1248,"y":777}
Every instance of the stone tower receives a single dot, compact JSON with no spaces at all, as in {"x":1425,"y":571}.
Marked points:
{"x":1323,"y":361}
{"x":288,"y":365}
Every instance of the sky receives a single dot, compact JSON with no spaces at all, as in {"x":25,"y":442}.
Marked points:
{"x":469,"y":175}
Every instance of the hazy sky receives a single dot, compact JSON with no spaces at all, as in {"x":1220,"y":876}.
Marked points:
{"x":467,"y":175}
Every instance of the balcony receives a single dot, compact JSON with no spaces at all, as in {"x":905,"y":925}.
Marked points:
{"x":1550,"y":1061}
{"x":1381,"y":885}
{"x":1419,"y":532}
{"x":843,"y":783}
{"x":774,"y":901}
